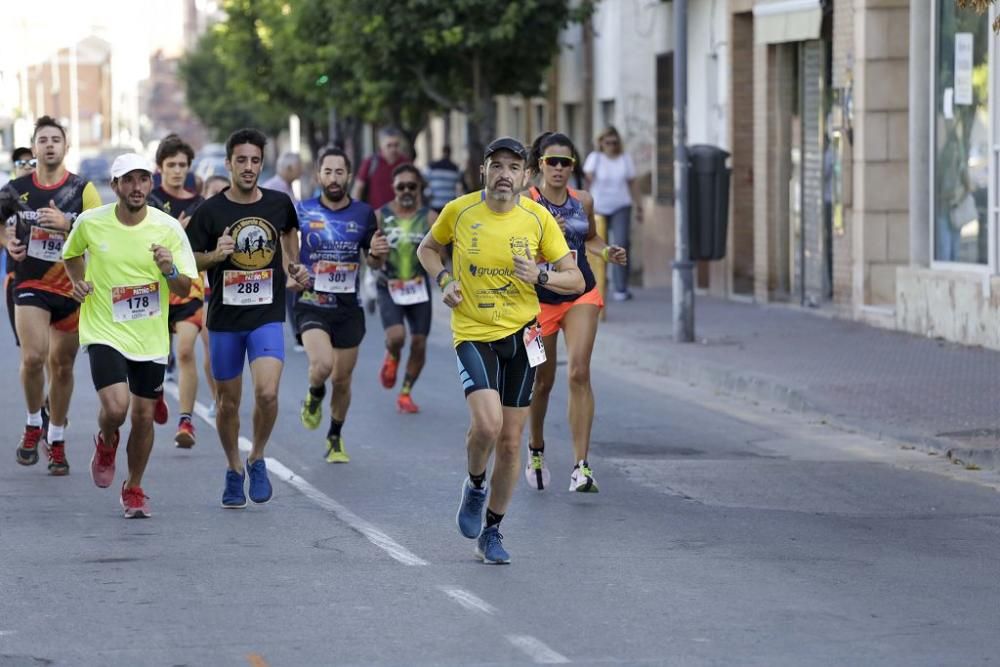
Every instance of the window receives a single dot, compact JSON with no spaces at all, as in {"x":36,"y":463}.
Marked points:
{"x":607,"y":113}
{"x":961,"y":136}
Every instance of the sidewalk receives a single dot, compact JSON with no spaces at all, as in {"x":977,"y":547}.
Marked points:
{"x":934,"y":395}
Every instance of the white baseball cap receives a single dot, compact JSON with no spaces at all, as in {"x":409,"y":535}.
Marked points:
{"x":127,"y":162}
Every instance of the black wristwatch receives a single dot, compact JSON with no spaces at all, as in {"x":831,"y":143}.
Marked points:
{"x":543,"y":277}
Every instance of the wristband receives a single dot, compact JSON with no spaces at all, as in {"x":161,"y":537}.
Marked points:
{"x":443,"y":278}
{"x":605,"y":253}
{"x":174,"y":273}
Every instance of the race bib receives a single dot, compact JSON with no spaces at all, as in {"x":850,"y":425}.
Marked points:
{"x":335,"y":277}
{"x":533,"y":344}
{"x":408,"y":292}
{"x":135,"y":302}
{"x":45,"y":244}
{"x":552,"y":267}
{"x":247,"y":288}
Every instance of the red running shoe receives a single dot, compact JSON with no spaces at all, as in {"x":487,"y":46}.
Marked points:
{"x":27,"y":449}
{"x":185,"y":435}
{"x":134,"y":503}
{"x":160,"y":412}
{"x":58,"y":465}
{"x":388,"y":372}
{"x":102,"y":464}
{"x":405,"y":404}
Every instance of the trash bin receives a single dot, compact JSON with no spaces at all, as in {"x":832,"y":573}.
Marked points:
{"x":708,"y":202}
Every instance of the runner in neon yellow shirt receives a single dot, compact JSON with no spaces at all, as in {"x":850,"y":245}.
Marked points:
{"x":135,"y":257}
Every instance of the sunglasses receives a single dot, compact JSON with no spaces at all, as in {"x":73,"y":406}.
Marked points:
{"x":558,"y":160}
{"x":26,"y":163}
{"x":402,"y":187}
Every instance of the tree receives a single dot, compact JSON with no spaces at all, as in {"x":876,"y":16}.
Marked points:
{"x":981,"y":6}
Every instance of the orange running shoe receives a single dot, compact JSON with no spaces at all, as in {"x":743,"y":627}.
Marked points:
{"x":134,"y":503}
{"x":102,"y":464}
{"x":160,"y":412}
{"x":405,"y":404}
{"x":388,"y":372}
{"x":185,"y":434}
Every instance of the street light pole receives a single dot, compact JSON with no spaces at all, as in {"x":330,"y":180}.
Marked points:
{"x":683,"y":274}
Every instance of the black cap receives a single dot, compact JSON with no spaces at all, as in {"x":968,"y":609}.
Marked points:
{"x":506,"y":144}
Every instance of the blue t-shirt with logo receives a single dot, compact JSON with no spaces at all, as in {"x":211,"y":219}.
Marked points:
{"x":330,"y":243}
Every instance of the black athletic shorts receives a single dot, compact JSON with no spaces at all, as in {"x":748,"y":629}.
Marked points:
{"x":501,"y":365}
{"x":417,"y":316}
{"x":344,"y":325}
{"x":64,"y":312}
{"x":108,"y":366}
{"x":186,"y":312}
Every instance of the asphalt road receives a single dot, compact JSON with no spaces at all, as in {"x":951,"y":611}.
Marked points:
{"x":724,"y":534}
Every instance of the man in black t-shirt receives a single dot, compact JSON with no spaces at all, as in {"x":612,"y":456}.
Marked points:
{"x":241,"y":237}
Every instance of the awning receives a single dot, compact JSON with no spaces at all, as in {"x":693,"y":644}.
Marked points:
{"x":786,"y":21}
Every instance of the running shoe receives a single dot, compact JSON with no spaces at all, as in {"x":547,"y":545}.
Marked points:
{"x":58,"y":465}
{"x":160,"y":413}
{"x":406,"y":405}
{"x":312,"y":412}
{"x":233,"y":496}
{"x":490,"y":547}
{"x":582,"y":479}
{"x":102,"y":464}
{"x":27,"y":449}
{"x":536,"y":472}
{"x":134,"y":503}
{"x":387,"y":374}
{"x":335,"y":450}
{"x":185,"y":434}
{"x":470,"y":511}
{"x":260,"y":485}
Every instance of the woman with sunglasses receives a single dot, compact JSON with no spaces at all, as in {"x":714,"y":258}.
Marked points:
{"x":554,"y":158}
{"x":610,"y":175}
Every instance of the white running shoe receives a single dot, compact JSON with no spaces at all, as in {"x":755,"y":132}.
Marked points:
{"x":582,"y":479}
{"x":536,"y":472}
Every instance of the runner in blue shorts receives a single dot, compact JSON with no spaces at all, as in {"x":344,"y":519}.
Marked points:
{"x":241,"y":237}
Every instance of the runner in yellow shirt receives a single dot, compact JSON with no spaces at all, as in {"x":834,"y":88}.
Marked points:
{"x":135,"y":257}
{"x":496,"y":236}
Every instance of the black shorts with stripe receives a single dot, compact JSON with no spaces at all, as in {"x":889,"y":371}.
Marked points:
{"x":501,"y":365}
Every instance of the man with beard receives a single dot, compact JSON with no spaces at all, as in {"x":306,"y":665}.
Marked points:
{"x":135,"y":255}
{"x":247,"y":304}
{"x":45,"y":205}
{"x":496,"y":235}
{"x":335,"y":229}
{"x":403,"y":290}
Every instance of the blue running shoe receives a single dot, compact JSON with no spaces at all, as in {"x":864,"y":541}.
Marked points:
{"x":470,"y":512}
{"x":233,"y":497}
{"x":260,"y":485}
{"x":490,"y":547}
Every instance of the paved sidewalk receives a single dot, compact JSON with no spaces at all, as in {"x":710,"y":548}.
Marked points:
{"x":935,"y":395}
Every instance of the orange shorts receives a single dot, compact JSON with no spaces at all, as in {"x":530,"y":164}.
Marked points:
{"x":551,"y":315}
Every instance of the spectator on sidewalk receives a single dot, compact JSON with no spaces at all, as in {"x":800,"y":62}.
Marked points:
{"x":288,"y":171}
{"x":373,"y":183}
{"x":611,"y":180}
{"x":444,"y":181}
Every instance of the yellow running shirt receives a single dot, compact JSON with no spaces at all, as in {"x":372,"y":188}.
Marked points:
{"x":495,"y":304}
{"x":128,"y":308}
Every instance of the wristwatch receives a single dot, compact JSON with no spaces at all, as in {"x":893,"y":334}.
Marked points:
{"x":543,"y":277}
{"x":174,"y":273}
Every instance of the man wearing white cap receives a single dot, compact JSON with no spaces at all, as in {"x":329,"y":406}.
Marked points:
{"x":136,"y":256}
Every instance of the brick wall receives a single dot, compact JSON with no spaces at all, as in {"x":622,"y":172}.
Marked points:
{"x":742,"y":196}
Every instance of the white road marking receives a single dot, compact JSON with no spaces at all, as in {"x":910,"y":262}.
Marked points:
{"x":468,"y":600}
{"x":366,"y":529}
{"x":538,"y":652}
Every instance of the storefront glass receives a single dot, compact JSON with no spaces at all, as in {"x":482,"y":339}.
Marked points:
{"x":961,"y":136}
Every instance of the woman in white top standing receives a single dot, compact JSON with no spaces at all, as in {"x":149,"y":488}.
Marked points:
{"x":610,"y":176}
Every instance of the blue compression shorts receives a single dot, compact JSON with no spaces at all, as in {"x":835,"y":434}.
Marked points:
{"x":228,"y":349}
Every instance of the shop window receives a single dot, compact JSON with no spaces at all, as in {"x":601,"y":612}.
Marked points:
{"x":961,"y":136}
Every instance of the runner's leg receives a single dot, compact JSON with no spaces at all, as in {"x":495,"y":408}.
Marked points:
{"x":266,"y":372}
{"x":63,"y":347}
{"x":507,"y":462}
{"x":33,"y":331}
{"x":545,"y":377}
{"x":344,"y":361}
{"x":140,"y":439}
{"x":580,"y":327}
{"x":113,"y":411}
{"x":227,"y":419}
{"x":186,"y":333}
{"x":485,"y":424}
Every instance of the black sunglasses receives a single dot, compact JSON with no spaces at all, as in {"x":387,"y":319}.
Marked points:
{"x":558,"y":161}
{"x":412,"y":187}
{"x":26,"y":163}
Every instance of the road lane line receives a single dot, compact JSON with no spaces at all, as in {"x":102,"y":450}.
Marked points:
{"x":367,"y":530}
{"x":537,"y":651}
{"x":468,"y":600}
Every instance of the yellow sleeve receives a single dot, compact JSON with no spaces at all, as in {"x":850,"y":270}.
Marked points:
{"x":76,"y":242}
{"x":443,"y":229}
{"x":552,"y":245}
{"x":91,"y":199}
